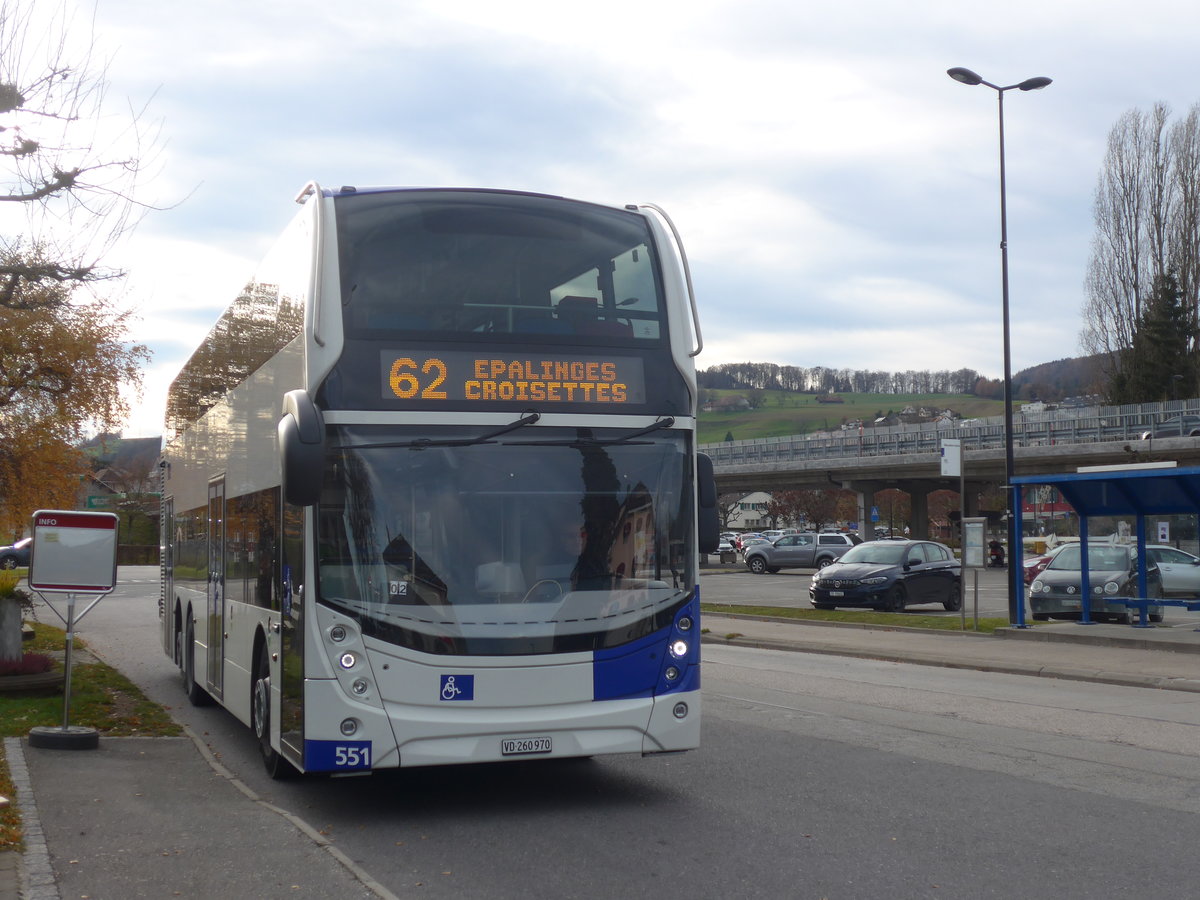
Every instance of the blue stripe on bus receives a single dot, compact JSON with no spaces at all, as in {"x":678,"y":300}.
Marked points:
{"x":638,"y":669}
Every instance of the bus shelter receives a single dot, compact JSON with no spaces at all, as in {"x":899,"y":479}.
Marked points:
{"x":1140,"y":492}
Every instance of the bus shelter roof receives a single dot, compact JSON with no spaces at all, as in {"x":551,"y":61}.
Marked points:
{"x":1141,"y":491}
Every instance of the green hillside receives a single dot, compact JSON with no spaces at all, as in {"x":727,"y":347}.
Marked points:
{"x":784,"y":412}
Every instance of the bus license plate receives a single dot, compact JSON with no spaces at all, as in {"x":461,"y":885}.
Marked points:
{"x":523,"y":746}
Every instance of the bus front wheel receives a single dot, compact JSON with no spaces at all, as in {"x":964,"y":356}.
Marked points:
{"x":260,"y":718}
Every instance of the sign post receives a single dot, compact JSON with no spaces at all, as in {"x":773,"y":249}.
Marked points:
{"x":73,"y":553}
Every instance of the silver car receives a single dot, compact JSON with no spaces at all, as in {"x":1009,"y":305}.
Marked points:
{"x":1180,"y":570}
{"x":1057,"y":592}
{"x":799,"y":551}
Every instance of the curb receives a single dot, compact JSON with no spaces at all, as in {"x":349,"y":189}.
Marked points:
{"x":1066,"y":673}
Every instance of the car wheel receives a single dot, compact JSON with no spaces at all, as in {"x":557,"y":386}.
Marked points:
{"x":895,"y":599}
{"x":954,"y":602}
{"x":1156,"y":617}
{"x":823,"y":562}
{"x":757,"y":565}
{"x":8,"y":562}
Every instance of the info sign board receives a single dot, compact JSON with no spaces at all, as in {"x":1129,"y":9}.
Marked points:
{"x":73,"y":552}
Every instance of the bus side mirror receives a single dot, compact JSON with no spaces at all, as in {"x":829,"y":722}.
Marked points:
{"x":301,"y":449}
{"x":706,"y":501}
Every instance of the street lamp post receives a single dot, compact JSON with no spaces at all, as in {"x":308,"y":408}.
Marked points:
{"x":1015,"y":592}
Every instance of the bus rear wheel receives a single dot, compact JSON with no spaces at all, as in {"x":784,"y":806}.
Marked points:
{"x":196,"y":695}
{"x":260,"y":719}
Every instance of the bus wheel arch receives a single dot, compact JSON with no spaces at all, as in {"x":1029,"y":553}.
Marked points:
{"x":177,"y":626}
{"x":196,"y":695}
{"x":260,"y":711}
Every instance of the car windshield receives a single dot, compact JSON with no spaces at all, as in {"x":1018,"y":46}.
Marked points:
{"x":1107,"y":559}
{"x":876,"y":553}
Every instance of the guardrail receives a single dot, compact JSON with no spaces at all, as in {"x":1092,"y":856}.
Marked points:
{"x":1058,"y":426}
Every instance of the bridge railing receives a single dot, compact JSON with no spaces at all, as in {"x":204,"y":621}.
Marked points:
{"x":1056,"y":426}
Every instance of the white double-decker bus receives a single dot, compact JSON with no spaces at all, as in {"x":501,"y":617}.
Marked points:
{"x":430,"y":488}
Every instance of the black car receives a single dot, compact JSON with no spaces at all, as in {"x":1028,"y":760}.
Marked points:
{"x":15,"y":555}
{"x":890,"y":575}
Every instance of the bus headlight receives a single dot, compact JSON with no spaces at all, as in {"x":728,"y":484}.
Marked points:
{"x":349,"y":727}
{"x":685,"y":623}
{"x":679,"y":649}
{"x":672,"y":673}
{"x":680,"y":710}
{"x":359,"y":686}
{"x":337,"y":633}
{"x":347,"y":660}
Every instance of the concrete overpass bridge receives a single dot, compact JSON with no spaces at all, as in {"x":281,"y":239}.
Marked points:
{"x":908,"y":457}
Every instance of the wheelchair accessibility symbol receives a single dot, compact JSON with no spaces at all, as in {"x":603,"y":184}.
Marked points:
{"x":458,"y":687}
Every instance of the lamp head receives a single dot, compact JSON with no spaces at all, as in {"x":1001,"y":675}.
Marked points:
{"x":1034,"y":84}
{"x":966,"y":76}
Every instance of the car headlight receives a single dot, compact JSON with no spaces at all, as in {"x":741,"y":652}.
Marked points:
{"x":1111,"y":588}
{"x":1037,"y":587}
{"x":875,"y":579}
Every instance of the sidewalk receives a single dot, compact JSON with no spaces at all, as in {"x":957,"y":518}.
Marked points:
{"x":107,"y":823}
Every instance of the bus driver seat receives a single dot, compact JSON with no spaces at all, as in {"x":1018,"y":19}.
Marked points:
{"x":582,"y":315}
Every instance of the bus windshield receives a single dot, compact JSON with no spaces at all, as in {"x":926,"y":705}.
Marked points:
{"x":538,"y":540}
{"x":496,"y":267}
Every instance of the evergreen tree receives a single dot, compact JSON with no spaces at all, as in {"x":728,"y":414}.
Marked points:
{"x":1159,"y":350}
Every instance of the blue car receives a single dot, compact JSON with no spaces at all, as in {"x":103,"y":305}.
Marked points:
{"x":890,"y":575}
{"x":15,"y":555}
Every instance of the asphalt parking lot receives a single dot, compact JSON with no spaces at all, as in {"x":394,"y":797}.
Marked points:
{"x":984,"y":592}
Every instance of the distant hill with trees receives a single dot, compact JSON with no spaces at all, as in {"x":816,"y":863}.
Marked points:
{"x":740,"y":401}
{"x":1049,"y":381}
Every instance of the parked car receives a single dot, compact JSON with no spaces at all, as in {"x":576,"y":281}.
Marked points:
{"x":797,"y":551}
{"x":740,"y":541}
{"x":1057,"y":593}
{"x":1180,"y":570}
{"x":1176,"y":426}
{"x":1033,"y":565}
{"x":773,"y":534}
{"x":890,"y":575}
{"x":753,"y":542}
{"x":16,"y":555}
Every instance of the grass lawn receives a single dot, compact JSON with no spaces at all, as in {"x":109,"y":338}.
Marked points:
{"x":784,"y":413}
{"x":859,"y":617}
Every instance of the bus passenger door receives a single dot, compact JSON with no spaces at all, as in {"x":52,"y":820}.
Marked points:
{"x":166,"y":578}
{"x":216,"y":587}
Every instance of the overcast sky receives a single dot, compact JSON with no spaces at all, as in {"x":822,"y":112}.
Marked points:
{"x":837,"y":193}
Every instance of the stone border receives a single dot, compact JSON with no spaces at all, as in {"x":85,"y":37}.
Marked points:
{"x":36,"y":873}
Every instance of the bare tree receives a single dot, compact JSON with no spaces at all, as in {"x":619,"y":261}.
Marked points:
{"x":1147,"y":220}
{"x":65,"y":162}
{"x":728,"y":506}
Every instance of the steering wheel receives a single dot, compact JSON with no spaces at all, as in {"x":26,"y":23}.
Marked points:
{"x":544,"y":595}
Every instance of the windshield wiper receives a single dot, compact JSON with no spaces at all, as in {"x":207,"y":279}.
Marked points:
{"x":589,"y":441}
{"x":422,"y":443}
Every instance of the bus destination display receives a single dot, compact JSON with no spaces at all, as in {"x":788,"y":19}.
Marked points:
{"x":459,"y":376}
